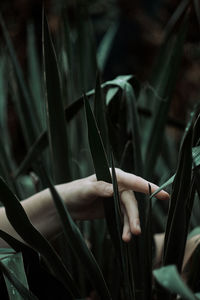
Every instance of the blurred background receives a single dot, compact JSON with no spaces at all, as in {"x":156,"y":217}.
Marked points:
{"x":130,"y":31}
{"x":146,"y":112}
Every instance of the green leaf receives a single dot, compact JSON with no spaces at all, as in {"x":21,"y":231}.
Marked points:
{"x":125,"y":255}
{"x":196,"y":156}
{"x":194,"y":232}
{"x":178,"y":216}
{"x":99,"y":112}
{"x":76,"y":242}
{"x":86,"y":47}
{"x":176,"y":16}
{"x":33,"y":154}
{"x":3,"y":100}
{"x":13,"y":270}
{"x":102,"y":170}
{"x":112,"y":91}
{"x":69,"y":67}
{"x":134,"y":128}
{"x":14,"y":243}
{"x":148,"y":246}
{"x":164,"y":185}
{"x":119,"y":81}
{"x":196,"y":159}
{"x":70,"y":112}
{"x":35,"y":78}
{"x":169,"y":278}
{"x":106,"y":45}
{"x":7,"y":162}
{"x":55,"y":112}
{"x":19,"y":220}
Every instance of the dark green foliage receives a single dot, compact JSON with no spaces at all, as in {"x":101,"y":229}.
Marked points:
{"x":176,"y":230}
{"x":56,"y":122}
{"x":71,"y":124}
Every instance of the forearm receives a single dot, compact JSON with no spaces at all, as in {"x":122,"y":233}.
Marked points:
{"x":41,"y":211}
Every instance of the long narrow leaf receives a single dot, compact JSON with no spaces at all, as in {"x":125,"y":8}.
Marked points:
{"x":99,"y":112}
{"x":42,"y":141}
{"x":102,"y":170}
{"x":125,"y":256}
{"x":35,"y":79}
{"x":56,"y":120}
{"x":177,"y":222}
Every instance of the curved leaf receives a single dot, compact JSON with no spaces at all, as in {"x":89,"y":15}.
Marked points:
{"x":169,"y":278}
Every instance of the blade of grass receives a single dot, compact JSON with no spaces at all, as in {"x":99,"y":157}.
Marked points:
{"x":197,"y":178}
{"x":33,"y":154}
{"x":86,"y":47}
{"x":164,"y":185}
{"x":177,"y":221}
{"x":196,"y":160}
{"x":99,"y":112}
{"x":35,"y":79}
{"x":3,"y":97}
{"x":106,"y":45}
{"x":148,"y":246}
{"x":125,"y":257}
{"x":15,"y":244}
{"x":176,"y":16}
{"x":56,"y":121}
{"x":133,"y":123}
{"x":196,"y":139}
{"x":102,"y":170}
{"x":7,"y":162}
{"x":127,"y":159}
{"x":137,"y":245}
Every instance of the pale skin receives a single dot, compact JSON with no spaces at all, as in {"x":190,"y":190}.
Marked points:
{"x":83,"y":199}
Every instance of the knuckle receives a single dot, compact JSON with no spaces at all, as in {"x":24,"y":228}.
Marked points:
{"x":101,"y":186}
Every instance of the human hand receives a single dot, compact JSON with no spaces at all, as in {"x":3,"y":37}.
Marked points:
{"x":83,"y":198}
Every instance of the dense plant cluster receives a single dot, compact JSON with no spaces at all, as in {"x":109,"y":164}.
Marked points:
{"x":73,"y":125}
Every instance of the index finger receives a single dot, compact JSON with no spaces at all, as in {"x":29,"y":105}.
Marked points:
{"x":138,"y":184}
